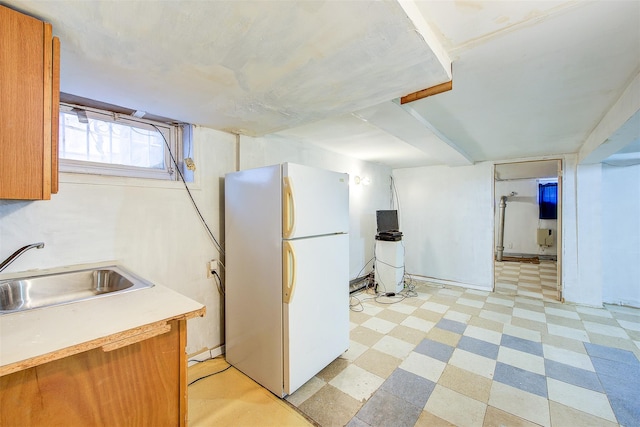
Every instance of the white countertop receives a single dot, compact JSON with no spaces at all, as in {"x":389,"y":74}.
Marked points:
{"x":37,"y":336}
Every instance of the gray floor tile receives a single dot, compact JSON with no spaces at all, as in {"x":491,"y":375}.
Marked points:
{"x":527,"y":346}
{"x":357,"y":422}
{"x":480,"y":347}
{"x":572,"y":375}
{"x":621,"y":371}
{"x":521,"y":379}
{"x":408,"y":386}
{"x":435,"y":349}
{"x":385,"y":409}
{"x":610,"y":353}
{"x":624,"y":397}
{"x":451,"y":325}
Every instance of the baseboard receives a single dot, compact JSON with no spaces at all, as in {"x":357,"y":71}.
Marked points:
{"x":442,"y":282}
{"x":205,"y":354}
{"x":539,"y":256}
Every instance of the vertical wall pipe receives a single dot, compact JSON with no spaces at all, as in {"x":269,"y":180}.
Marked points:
{"x":500,"y":246}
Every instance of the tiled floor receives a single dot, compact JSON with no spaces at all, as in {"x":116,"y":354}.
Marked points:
{"x":450,"y":356}
{"x":538,"y":281}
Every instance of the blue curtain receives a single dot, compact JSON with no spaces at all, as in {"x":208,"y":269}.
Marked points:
{"x":548,"y":200}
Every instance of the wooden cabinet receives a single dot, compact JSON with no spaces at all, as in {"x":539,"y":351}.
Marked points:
{"x":29,"y":103}
{"x":122,"y":383}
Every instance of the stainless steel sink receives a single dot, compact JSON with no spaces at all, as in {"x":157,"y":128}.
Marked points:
{"x":26,"y":293}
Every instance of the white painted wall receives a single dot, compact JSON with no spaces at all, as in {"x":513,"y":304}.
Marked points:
{"x":446,"y":215}
{"x":589,"y":232}
{"x":608,"y":236}
{"x":521,"y":218}
{"x":621,"y":235}
{"x":363,"y":200}
{"x":149,"y":227}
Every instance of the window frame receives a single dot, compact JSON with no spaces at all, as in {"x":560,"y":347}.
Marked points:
{"x":171,"y":132}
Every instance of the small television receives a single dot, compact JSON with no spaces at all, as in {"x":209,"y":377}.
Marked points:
{"x":387,"y":220}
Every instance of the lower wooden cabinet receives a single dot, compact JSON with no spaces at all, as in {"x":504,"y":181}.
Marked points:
{"x":138,"y":384}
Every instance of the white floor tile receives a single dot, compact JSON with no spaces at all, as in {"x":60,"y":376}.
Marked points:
{"x":379,"y":325}
{"x":307,"y":390}
{"x":424,"y":366}
{"x":457,"y":316}
{"x":450,"y":292}
{"x":599,"y":328}
{"x":456,"y":408}
{"x":470,"y":302}
{"x":417,"y":323}
{"x":520,"y":403}
{"x":529,"y":315}
{"x":568,"y":357}
{"x":633,"y":326}
{"x":530,"y":301}
{"x":473,"y":363}
{"x":434,"y":306}
{"x":592,"y":311}
{"x":536,"y":295}
{"x":525,"y":334}
{"x":356,"y":382}
{"x":501,"y":301}
{"x":522,"y":360}
{"x":483,"y":334}
{"x":477,"y":292}
{"x":496,"y":317}
{"x":402,"y":308}
{"x":371,"y":310}
{"x":585,"y":400}
{"x":394,"y":347}
{"x":355,"y":350}
{"x":562,"y":313}
{"x":572,"y":333}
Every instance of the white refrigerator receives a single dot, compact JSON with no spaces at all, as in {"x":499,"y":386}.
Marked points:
{"x":287,"y":273}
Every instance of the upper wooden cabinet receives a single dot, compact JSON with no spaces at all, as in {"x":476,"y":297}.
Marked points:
{"x":29,"y":103}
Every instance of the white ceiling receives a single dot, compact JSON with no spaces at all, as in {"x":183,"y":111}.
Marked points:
{"x":530,"y":78}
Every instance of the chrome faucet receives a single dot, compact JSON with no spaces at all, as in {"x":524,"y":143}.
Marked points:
{"x":19,"y":252}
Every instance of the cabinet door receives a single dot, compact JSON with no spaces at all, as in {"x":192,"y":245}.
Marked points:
{"x":27,"y":97}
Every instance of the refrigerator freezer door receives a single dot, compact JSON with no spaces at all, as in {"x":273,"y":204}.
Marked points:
{"x":316,"y":319}
{"x":315,"y":201}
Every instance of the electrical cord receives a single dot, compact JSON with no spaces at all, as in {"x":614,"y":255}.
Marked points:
{"x":364,"y":266}
{"x":219,"y":282}
{"x":210,"y":375}
{"x":175,"y":163}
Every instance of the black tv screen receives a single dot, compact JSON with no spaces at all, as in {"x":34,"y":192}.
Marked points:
{"x":387,"y":220}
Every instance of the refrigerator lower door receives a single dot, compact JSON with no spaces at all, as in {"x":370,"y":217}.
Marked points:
{"x":316,"y":318}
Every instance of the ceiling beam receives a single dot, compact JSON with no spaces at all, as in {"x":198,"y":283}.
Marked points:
{"x":433,"y":90}
{"x":618,"y":127}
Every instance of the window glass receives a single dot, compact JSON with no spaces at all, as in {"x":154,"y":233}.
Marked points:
{"x":96,"y":141}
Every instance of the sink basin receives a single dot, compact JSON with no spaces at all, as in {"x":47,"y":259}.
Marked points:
{"x":26,"y":293}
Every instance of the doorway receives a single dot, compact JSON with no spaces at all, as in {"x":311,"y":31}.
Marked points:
{"x":528,"y":229}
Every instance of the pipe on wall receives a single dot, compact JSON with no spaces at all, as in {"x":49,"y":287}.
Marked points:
{"x":500,"y":245}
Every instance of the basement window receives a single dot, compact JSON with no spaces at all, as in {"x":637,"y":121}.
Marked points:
{"x":548,"y":200}
{"x":103,"y":142}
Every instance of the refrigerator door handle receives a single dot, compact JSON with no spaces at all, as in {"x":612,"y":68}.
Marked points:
{"x":288,"y":272}
{"x":288,"y":208}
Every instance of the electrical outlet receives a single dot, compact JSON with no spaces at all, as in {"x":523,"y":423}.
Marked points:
{"x":212,"y":266}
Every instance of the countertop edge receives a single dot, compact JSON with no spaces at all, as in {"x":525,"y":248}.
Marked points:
{"x":96,"y":343}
